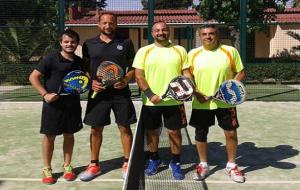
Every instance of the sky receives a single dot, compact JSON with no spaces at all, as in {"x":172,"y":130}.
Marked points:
{"x":136,"y":4}
{"x":123,"y":5}
{"x":128,"y":4}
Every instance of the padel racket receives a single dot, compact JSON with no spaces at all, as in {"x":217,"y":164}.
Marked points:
{"x":75,"y":82}
{"x":232,"y":92}
{"x":108,"y":73}
{"x":180,"y":88}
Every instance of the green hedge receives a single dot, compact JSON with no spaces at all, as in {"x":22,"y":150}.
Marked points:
{"x":277,"y":71}
{"x":15,"y":74}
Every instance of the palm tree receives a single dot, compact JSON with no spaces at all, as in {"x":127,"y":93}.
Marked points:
{"x":20,"y":44}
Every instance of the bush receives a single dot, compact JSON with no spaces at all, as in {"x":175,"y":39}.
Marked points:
{"x":277,"y":71}
{"x":18,"y":74}
{"x":15,"y":74}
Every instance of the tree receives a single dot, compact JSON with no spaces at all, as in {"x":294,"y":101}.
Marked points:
{"x":20,"y":45}
{"x":100,"y":4}
{"x":296,"y":3}
{"x":28,"y":29}
{"x":39,"y":11}
{"x":229,"y":12}
{"x":168,"y":4}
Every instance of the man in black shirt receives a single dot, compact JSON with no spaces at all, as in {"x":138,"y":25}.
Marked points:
{"x":60,"y":114}
{"x":108,"y":47}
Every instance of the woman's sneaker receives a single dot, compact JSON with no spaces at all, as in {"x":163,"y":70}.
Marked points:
{"x":201,"y":172}
{"x":235,"y":174}
{"x":48,"y":177}
{"x":69,"y":175}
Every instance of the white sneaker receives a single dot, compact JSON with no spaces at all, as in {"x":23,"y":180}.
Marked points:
{"x":201,"y":172}
{"x":124,"y":170}
{"x":235,"y":174}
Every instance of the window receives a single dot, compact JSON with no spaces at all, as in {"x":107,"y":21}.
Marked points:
{"x":183,"y":33}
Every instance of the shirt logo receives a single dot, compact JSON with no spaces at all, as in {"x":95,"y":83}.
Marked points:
{"x":120,"y":47}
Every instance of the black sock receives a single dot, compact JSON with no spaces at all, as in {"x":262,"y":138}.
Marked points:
{"x":147,"y":155}
{"x":153,"y":155}
{"x":126,"y":159}
{"x":95,"y":162}
{"x":175,"y":158}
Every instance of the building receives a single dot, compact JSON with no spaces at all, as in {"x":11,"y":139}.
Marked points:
{"x":184,"y":24}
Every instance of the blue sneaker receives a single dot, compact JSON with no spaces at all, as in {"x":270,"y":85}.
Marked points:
{"x":176,"y":171}
{"x":152,"y":167}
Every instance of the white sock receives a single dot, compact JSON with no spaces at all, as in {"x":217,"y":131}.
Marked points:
{"x":204,"y":164}
{"x":230,"y":165}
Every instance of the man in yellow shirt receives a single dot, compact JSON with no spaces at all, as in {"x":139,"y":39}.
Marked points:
{"x":156,"y":65}
{"x":211,"y":64}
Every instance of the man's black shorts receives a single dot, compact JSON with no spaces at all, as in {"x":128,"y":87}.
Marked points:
{"x":174,"y":117}
{"x":61,"y":116}
{"x":227,"y":118}
{"x":98,"y":111}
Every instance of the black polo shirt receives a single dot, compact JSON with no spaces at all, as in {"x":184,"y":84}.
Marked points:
{"x":54,"y":67}
{"x":119,"y":51}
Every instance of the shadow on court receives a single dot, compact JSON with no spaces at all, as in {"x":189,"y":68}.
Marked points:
{"x":188,"y":157}
{"x":106,"y":166}
{"x":252,"y":157}
{"x":249,"y":156}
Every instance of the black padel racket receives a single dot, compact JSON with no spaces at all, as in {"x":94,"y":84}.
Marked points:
{"x":108,"y":73}
{"x":180,"y":88}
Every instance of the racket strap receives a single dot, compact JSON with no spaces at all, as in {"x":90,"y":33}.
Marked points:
{"x":148,"y":92}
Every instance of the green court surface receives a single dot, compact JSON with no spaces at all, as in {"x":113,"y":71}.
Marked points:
{"x":268,"y":151}
{"x":28,"y":93}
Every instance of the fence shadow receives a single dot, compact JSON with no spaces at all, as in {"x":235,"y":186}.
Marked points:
{"x":252,"y":157}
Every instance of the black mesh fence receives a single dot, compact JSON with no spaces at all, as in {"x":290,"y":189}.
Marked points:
{"x":29,"y":30}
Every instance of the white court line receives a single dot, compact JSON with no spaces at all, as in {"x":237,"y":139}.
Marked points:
{"x":224,"y":182}
{"x":160,"y":181}
{"x":39,"y":179}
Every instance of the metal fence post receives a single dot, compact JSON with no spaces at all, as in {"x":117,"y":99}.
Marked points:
{"x":61,"y":16}
{"x":243,"y":30}
{"x":150,"y":20}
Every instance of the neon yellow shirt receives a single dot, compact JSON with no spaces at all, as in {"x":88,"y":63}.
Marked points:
{"x":210,"y":69}
{"x":161,"y":65}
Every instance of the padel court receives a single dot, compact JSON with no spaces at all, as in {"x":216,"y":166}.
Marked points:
{"x":268,"y":152}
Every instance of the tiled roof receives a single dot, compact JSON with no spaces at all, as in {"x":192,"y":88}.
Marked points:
{"x":288,"y":18}
{"x":140,"y":17}
{"x":290,"y":15}
{"x":189,"y":16}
